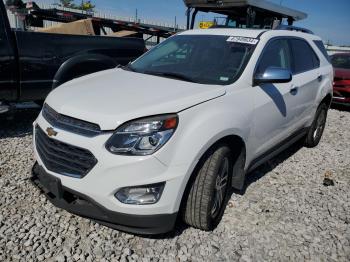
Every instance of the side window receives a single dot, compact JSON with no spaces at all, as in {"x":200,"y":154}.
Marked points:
{"x":320,"y":46}
{"x":276,"y":54}
{"x":304,"y":56}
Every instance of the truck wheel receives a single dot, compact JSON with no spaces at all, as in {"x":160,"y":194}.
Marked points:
{"x":208,"y":193}
{"x":315,"y":132}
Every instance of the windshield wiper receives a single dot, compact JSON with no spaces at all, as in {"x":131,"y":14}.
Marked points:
{"x":127,"y":67}
{"x":171,"y":75}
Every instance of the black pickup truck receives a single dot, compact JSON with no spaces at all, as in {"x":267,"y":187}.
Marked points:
{"x":33,"y":63}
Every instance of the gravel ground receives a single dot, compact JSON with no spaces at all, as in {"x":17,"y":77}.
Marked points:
{"x":286,"y":212}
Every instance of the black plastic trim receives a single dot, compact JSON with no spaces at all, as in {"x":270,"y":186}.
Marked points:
{"x":79,"y":204}
{"x":277,"y":149}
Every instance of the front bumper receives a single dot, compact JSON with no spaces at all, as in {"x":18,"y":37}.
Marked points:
{"x":113,"y":172}
{"x":84,"y":206}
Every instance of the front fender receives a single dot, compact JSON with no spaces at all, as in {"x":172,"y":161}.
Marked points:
{"x":203,"y":125}
{"x":200,"y":128}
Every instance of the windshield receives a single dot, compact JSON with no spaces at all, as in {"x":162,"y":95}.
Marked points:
{"x":341,"y":61}
{"x":204,"y":59}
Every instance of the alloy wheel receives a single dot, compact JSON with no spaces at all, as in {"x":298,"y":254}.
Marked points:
{"x":220,"y":187}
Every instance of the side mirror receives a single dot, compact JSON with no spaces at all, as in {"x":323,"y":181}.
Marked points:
{"x":273,"y":75}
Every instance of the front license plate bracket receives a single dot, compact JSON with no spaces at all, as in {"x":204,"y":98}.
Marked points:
{"x":51,"y":184}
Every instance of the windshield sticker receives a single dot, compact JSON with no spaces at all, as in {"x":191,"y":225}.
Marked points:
{"x":224,"y":78}
{"x":243,"y":40}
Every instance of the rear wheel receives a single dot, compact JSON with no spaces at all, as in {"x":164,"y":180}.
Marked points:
{"x":206,"y":201}
{"x":315,"y":132}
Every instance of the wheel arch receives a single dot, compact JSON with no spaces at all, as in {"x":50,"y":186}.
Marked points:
{"x":238,"y":148}
{"x":327,"y":100}
{"x":82,"y":65}
{"x":237,"y":145}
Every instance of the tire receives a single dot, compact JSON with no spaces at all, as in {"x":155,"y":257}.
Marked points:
{"x":205,"y":204}
{"x":315,"y":132}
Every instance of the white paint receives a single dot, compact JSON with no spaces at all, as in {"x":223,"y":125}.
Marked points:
{"x":206,"y":113}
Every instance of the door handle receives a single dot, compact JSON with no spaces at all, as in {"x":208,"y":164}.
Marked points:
{"x":319,"y":78}
{"x":294,"y":91}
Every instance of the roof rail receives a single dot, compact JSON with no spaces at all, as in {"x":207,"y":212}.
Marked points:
{"x":294,"y":28}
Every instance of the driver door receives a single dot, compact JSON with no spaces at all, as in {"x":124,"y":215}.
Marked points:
{"x":276,"y":104}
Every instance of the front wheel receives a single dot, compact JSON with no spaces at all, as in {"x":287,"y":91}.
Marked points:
{"x":315,"y":132}
{"x":205,"y":203}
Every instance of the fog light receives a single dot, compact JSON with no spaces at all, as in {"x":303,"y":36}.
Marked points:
{"x":141,"y":195}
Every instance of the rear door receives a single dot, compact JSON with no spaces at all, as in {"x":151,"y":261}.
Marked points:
{"x":306,"y":79}
{"x":8,"y":68}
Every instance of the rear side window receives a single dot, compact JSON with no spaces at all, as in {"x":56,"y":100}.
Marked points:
{"x":304,"y":56}
{"x":276,"y":54}
{"x":320,"y":46}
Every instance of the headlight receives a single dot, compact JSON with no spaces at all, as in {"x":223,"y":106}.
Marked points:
{"x":144,"y":136}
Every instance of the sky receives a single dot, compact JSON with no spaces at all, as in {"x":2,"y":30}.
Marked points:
{"x":328,"y":19}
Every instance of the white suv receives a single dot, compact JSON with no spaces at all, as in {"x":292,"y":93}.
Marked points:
{"x":135,"y":148}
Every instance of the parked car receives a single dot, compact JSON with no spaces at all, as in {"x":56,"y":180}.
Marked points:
{"x":341,"y":87}
{"x":171,"y":133}
{"x":33,"y":63}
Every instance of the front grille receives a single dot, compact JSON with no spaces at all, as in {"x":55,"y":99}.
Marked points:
{"x":69,"y":123}
{"x":63,"y":158}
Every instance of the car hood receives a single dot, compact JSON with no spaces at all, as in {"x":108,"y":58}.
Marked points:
{"x":112,"y":97}
{"x":342,"y":73}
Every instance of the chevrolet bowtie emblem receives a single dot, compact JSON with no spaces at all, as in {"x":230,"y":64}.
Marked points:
{"x":51,"y":132}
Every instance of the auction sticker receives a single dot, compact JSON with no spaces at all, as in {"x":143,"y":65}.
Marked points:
{"x":243,"y":40}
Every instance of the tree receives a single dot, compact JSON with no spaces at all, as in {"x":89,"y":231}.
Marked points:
{"x":67,"y":3}
{"x":86,"y":6}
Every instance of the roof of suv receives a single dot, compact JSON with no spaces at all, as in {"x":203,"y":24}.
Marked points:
{"x":253,"y":33}
{"x":225,"y":31}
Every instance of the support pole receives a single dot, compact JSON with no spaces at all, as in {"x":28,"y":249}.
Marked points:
{"x":193,"y":18}
{"x":188,"y":14}
{"x":290,"y":21}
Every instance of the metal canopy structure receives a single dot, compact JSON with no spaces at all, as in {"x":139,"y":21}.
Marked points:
{"x":32,"y":15}
{"x":250,"y":13}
